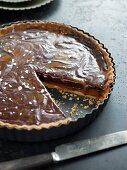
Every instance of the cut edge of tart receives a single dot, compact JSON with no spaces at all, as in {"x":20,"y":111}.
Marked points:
{"x":61,"y":28}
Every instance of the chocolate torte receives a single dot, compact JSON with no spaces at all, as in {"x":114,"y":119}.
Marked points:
{"x":36,"y":55}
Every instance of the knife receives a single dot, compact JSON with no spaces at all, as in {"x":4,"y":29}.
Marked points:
{"x":68,"y":151}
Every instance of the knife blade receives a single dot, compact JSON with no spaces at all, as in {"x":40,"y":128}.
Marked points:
{"x":68,"y":151}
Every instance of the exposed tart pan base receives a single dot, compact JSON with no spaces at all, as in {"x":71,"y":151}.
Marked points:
{"x":53,"y":130}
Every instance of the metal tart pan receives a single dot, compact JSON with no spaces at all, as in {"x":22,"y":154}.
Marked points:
{"x":85,"y":113}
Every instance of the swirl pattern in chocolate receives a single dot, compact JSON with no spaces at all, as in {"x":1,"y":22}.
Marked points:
{"x":24,"y":55}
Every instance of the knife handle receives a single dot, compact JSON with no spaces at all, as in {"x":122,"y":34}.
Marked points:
{"x":28,"y":162}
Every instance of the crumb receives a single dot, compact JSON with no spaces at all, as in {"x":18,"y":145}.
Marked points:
{"x":86,"y":107}
{"x":91,"y":101}
{"x":73,"y":109}
{"x":64,"y":96}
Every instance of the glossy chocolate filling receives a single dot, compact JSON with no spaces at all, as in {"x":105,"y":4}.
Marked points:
{"x":26,"y":57}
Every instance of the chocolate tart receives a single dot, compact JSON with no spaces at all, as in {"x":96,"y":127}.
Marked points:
{"x":36,"y":55}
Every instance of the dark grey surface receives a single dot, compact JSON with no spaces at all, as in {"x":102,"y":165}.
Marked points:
{"x":107,"y":21}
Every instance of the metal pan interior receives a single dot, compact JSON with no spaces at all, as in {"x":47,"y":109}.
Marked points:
{"x":72,"y":105}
